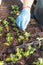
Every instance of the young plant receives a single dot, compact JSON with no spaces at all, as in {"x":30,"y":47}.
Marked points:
{"x":1,"y":28}
{"x":6,"y":23}
{"x":14,"y":24}
{"x":14,"y":59}
{"x":20,"y":38}
{"x":19,"y":54}
{"x":39,"y":61}
{"x":0,"y":34}
{"x":29,"y":51}
{"x":9,"y":38}
{"x":12,"y":19}
{"x":15,"y":9}
{"x":1,"y":62}
{"x":27,"y":35}
{"x":8,"y":59}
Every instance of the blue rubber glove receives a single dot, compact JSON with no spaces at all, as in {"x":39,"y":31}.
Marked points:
{"x":23,"y":19}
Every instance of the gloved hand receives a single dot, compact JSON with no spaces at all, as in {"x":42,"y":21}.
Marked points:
{"x":23,"y":19}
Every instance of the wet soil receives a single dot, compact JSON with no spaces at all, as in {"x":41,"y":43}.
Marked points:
{"x":33,"y":27}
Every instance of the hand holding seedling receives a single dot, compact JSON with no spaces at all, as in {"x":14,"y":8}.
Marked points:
{"x":24,"y":17}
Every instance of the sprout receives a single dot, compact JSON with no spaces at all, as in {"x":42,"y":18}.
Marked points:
{"x":15,"y":9}
{"x":9,"y":38}
{"x":0,"y":34}
{"x":6,"y":23}
{"x":39,"y":61}
{"x":27,"y":35}
{"x":8,"y":59}
{"x":1,"y":28}
{"x":1,"y":62}
{"x":13,"y":58}
{"x":12,"y":19}
{"x":20,"y":38}
{"x":26,"y":53}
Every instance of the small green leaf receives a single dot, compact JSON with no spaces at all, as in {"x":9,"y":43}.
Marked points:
{"x":5,"y":22}
{"x":1,"y":62}
{"x":1,"y":28}
{"x":0,"y":34}
{"x":27,"y":34}
{"x":20,"y":38}
{"x":8,"y":59}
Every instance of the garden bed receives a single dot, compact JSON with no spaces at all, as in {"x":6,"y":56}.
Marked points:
{"x":16,"y":46}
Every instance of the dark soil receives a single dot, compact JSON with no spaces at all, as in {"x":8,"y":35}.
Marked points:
{"x":33,"y":28}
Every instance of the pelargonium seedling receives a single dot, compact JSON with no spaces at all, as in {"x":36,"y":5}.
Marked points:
{"x":1,"y":28}
{"x":27,"y":35}
{"x":1,"y":62}
{"x":20,"y":38}
{"x":15,"y":9}
{"x":6,"y":24}
{"x":39,"y":61}
{"x":1,"y":34}
{"x":9,"y":38}
{"x":14,"y":24}
{"x":31,"y":49}
{"x":19,"y":54}
{"x":14,"y":59}
{"x":8,"y":59}
{"x":12,"y":19}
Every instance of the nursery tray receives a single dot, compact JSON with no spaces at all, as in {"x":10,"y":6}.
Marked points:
{"x":34,"y":29}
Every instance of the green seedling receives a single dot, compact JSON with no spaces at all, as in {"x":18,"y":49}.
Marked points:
{"x":8,"y":59}
{"x":9,"y":38}
{"x":16,"y":29}
{"x":31,"y":49}
{"x":12,"y":19}
{"x":0,"y":34}
{"x":1,"y":62}
{"x":6,"y":23}
{"x":7,"y":43}
{"x":14,"y":24}
{"x":27,"y":35}
{"x":14,"y":59}
{"x":39,"y":61}
{"x":1,"y":28}
{"x":26,"y":53}
{"x":20,"y":38}
{"x":19,"y":54}
{"x":15,"y":9}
